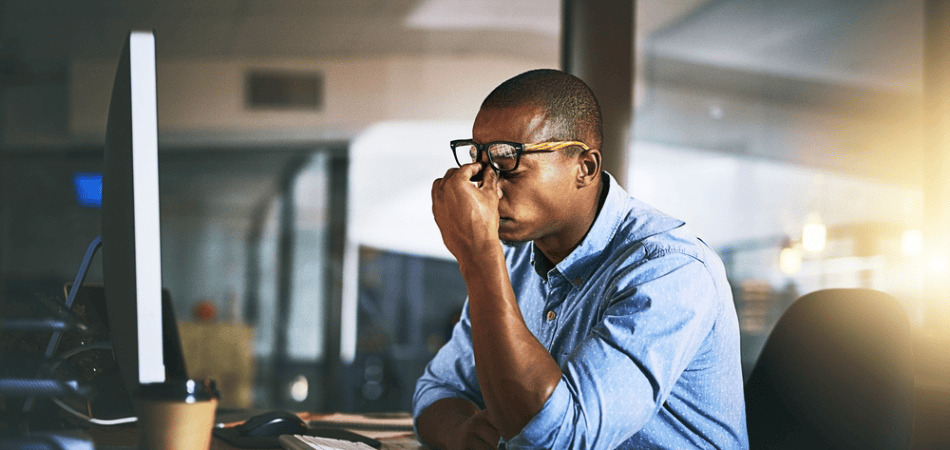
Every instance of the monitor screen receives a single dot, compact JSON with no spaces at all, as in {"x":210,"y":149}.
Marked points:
{"x":88,"y":187}
{"x":131,"y":252}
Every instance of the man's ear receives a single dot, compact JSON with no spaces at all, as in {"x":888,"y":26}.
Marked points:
{"x":589,"y":166}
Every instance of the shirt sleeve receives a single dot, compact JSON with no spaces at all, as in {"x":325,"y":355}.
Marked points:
{"x":657,"y":316}
{"x":451,"y":373}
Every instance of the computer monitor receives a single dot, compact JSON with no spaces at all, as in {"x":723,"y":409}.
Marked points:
{"x":131,"y":250}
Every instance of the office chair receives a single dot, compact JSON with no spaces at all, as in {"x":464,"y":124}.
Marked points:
{"x":837,"y":371}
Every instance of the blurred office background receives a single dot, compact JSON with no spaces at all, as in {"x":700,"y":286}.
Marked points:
{"x":298,"y":140}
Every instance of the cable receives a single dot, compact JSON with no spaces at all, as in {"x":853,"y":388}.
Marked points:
{"x":92,"y":420}
{"x":69,"y":409}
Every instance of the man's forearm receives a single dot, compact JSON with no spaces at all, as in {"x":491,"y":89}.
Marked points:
{"x":516,"y":373}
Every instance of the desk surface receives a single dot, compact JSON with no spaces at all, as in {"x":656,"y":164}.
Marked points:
{"x":388,"y":429}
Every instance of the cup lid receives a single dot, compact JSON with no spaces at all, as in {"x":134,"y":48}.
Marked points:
{"x":186,"y":390}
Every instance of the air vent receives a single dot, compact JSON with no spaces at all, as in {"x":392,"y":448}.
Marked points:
{"x":285,"y":90}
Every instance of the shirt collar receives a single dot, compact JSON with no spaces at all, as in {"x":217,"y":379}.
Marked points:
{"x":580,"y":263}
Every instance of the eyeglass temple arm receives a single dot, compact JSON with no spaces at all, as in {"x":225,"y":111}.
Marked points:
{"x":556,"y":145}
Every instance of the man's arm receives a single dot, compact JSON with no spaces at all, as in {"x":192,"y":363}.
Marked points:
{"x":447,"y":402}
{"x":516,"y":373}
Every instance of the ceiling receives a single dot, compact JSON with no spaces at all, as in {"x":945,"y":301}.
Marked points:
{"x":832,"y":84}
{"x":39,"y":38}
{"x":873,"y":42}
{"x":824,"y":83}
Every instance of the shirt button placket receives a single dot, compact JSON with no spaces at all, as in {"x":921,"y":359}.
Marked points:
{"x":555,"y":293}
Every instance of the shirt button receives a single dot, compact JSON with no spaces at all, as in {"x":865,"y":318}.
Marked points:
{"x":551,"y":315}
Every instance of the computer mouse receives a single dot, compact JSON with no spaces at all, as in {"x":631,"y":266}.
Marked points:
{"x":272,"y":424}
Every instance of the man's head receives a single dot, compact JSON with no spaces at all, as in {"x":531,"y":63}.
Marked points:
{"x":568,"y":103}
{"x":552,"y":197}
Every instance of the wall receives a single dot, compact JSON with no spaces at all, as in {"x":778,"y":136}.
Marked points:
{"x":203,"y":100}
{"x":51,"y":131}
{"x":43,"y":231}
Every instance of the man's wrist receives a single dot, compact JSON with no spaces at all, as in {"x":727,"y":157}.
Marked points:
{"x":483,"y":255}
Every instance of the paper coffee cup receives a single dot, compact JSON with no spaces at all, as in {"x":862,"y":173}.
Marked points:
{"x":176,"y":414}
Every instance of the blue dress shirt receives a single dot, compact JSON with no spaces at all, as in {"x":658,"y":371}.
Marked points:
{"x":640,"y":319}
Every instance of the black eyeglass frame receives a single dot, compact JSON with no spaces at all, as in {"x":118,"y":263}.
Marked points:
{"x":520,"y":149}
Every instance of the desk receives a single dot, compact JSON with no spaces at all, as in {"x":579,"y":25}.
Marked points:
{"x":394,"y":431}
{"x":125,"y":437}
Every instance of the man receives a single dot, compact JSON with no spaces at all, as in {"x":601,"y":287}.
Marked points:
{"x":600,"y":322}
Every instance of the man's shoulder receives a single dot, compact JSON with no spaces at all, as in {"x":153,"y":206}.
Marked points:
{"x":655,"y":231}
{"x":635,"y":222}
{"x":649,"y":243}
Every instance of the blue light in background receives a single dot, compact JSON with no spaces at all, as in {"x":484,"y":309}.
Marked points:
{"x":88,"y":189}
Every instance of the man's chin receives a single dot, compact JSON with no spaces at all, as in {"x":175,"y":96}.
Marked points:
{"x":508,"y":235}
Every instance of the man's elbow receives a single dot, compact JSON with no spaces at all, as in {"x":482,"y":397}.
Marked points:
{"x":512,"y":416}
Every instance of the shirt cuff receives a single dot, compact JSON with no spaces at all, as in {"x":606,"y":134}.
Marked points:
{"x":542,"y":430}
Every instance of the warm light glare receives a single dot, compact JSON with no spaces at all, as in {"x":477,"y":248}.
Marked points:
{"x":938,"y":265}
{"x":790,"y":261}
{"x":912,"y":243}
{"x":814,"y":235}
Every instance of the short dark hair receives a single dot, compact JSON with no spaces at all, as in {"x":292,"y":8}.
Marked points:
{"x":568,"y":102}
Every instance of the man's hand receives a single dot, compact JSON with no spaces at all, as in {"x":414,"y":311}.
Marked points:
{"x":453,"y":423}
{"x":466,"y":213}
{"x":475,"y":433}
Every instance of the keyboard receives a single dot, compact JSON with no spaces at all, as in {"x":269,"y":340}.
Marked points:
{"x":303,"y":442}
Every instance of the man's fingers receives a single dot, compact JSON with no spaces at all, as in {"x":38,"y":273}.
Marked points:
{"x":469,"y":170}
{"x":476,"y":441}
{"x":473,"y":443}
{"x":483,"y":428}
{"x":464,"y":173}
{"x":489,"y":437}
{"x":436,"y":189}
{"x":439,"y":182}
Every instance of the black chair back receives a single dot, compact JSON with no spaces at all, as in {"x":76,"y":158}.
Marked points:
{"x":837,"y":371}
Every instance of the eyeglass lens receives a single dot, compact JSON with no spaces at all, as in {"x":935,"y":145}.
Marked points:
{"x":503,"y":156}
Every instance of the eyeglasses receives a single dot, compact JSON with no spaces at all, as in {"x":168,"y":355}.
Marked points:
{"x":504,"y":156}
